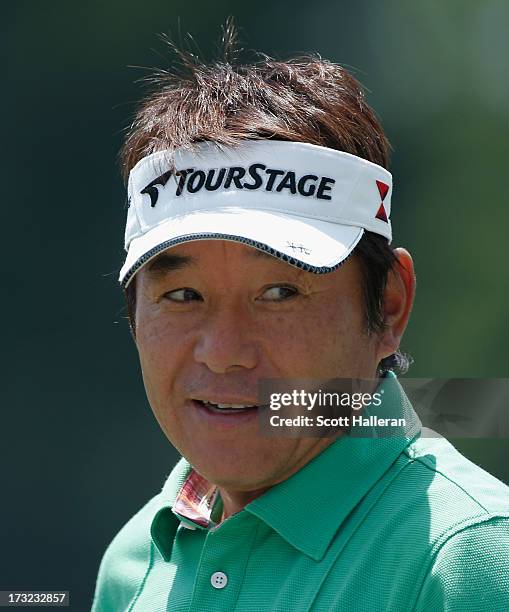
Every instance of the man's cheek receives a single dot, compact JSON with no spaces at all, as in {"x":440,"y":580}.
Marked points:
{"x":154,"y":331}
{"x":156,"y":345}
{"x":288,"y":334}
{"x":156,"y":375}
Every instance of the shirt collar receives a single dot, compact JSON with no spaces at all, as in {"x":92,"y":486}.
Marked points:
{"x":326,"y":489}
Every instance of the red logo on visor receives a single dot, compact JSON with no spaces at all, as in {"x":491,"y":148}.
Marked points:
{"x":383,"y":189}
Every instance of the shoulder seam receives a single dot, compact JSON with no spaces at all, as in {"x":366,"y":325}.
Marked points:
{"x":422,"y":461}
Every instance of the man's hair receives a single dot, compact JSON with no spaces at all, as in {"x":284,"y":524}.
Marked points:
{"x":305,"y":99}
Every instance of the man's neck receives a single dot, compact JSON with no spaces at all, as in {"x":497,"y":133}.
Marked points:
{"x":235,"y":501}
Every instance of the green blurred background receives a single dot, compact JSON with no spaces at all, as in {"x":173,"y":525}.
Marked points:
{"x":81,"y":451}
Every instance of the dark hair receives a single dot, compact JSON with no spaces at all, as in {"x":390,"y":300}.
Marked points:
{"x":304,"y":99}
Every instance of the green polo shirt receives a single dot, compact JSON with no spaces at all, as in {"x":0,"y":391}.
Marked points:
{"x":389,"y":524}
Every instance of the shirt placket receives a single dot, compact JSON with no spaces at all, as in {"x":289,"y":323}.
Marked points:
{"x":222,"y":564}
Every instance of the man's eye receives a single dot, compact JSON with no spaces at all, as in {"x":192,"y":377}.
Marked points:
{"x":279,"y":293}
{"x":182,"y":295}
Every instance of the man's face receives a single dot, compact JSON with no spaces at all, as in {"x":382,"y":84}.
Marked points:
{"x":211,"y":327}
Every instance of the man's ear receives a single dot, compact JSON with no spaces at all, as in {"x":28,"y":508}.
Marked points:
{"x":397,"y":303}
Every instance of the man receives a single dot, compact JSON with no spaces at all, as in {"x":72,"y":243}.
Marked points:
{"x":257,"y":243}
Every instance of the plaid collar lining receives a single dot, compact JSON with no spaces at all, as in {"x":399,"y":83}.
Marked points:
{"x":195,"y":500}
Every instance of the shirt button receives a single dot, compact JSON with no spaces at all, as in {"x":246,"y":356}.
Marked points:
{"x":219,"y":580}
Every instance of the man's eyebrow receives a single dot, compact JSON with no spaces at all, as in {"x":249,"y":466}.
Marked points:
{"x":168,"y":262}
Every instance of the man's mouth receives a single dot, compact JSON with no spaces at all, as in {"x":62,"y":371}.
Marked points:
{"x":226,"y":408}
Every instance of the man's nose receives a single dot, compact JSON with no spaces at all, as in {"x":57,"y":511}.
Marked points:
{"x":225,"y":342}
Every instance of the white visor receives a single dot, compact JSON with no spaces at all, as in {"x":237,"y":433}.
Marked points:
{"x":305,"y":204}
